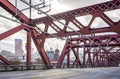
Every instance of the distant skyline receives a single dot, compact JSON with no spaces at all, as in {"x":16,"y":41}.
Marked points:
{"x":57,"y":6}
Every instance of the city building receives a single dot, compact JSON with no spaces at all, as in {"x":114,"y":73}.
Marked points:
{"x":18,"y":49}
{"x":50,"y":54}
{"x":7,"y":54}
{"x":56,"y":55}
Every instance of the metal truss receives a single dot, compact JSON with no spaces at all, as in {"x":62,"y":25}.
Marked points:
{"x":38,"y":36}
{"x":97,"y":51}
{"x":4,"y":60}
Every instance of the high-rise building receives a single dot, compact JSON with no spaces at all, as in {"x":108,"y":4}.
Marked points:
{"x":18,"y":48}
{"x":56,"y":55}
{"x":50,"y":54}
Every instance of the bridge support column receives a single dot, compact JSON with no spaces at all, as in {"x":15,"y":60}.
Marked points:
{"x":68,"y":60}
{"x":28,"y":48}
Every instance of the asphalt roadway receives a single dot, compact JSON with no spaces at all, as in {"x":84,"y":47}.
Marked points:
{"x":81,"y":73}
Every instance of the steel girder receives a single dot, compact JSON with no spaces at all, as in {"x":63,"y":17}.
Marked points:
{"x":23,"y":19}
{"x":12,"y":10}
{"x":97,"y":51}
{"x":102,"y":7}
{"x":28,"y":48}
{"x":11,"y":32}
{"x":70,"y":16}
{"x":5,"y":60}
{"x":40,"y":47}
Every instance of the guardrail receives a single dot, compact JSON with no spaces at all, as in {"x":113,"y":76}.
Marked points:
{"x":21,"y":67}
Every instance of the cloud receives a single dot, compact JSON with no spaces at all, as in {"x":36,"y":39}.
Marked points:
{"x":57,"y":7}
{"x":54,"y":43}
{"x":80,"y":3}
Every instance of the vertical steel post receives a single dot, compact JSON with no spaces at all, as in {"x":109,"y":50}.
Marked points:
{"x":28,"y":48}
{"x":78,"y":56}
{"x":68,"y":59}
{"x":84,"y":53}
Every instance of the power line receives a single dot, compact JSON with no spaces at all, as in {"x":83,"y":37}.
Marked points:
{"x":34,"y":6}
{"x":49,"y":16}
{"x":36,"y":28}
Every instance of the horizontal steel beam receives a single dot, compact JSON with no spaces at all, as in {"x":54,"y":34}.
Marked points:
{"x":115,"y":4}
{"x":12,"y":31}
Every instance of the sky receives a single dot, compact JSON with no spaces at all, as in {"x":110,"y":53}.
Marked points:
{"x":57,"y":6}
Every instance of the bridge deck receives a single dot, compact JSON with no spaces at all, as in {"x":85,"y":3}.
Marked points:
{"x":84,"y":73}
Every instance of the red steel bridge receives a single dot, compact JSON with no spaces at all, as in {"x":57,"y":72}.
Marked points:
{"x":98,"y":50}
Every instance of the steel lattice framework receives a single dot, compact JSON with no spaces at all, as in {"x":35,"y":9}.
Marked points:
{"x":101,"y":56}
{"x":96,"y":51}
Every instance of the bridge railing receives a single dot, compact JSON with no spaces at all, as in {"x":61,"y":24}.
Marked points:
{"x":22,"y":67}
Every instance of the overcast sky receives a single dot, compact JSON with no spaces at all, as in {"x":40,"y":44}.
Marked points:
{"x":57,"y":6}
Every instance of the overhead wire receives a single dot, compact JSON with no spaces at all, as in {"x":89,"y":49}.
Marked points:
{"x":39,"y":28}
{"x":34,"y":6}
{"x":49,"y":16}
{"x":36,"y":28}
{"x":16,"y":8}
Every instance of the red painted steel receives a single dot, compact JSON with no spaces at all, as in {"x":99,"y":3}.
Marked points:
{"x":82,"y":11}
{"x":70,"y":17}
{"x":40,"y":46}
{"x":28,"y":47}
{"x":4,"y":60}
{"x":13,"y":31}
{"x":21,"y":17}
{"x":96,"y":51}
{"x":12,"y":10}
{"x":77,"y":60}
{"x":99,"y":57}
